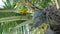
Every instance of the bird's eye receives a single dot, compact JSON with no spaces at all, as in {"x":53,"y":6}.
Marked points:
{"x":44,"y":13}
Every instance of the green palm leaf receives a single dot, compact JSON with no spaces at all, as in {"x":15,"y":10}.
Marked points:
{"x":9,"y":5}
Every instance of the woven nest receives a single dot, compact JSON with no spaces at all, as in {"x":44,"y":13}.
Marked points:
{"x":54,"y":14}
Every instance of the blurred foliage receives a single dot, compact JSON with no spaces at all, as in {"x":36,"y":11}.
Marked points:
{"x":58,"y":2}
{"x":5,"y":26}
{"x":9,"y":14}
{"x":42,"y":3}
{"x":40,"y":30}
{"x":9,"y":4}
{"x":37,"y":3}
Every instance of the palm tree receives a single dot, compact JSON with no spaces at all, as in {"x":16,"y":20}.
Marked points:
{"x":16,"y":23}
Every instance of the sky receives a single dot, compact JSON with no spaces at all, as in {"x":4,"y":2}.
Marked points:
{"x":1,"y":3}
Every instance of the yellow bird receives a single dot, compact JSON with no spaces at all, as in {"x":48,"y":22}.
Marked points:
{"x":23,"y":11}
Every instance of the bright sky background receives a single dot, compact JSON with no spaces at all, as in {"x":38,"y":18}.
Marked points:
{"x":1,"y":3}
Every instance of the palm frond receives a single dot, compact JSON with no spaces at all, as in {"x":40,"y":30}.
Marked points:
{"x":8,"y":4}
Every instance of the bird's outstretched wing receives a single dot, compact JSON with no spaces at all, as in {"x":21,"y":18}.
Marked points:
{"x":39,"y":17}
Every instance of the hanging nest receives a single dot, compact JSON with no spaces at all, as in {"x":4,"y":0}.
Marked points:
{"x":54,"y":14}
